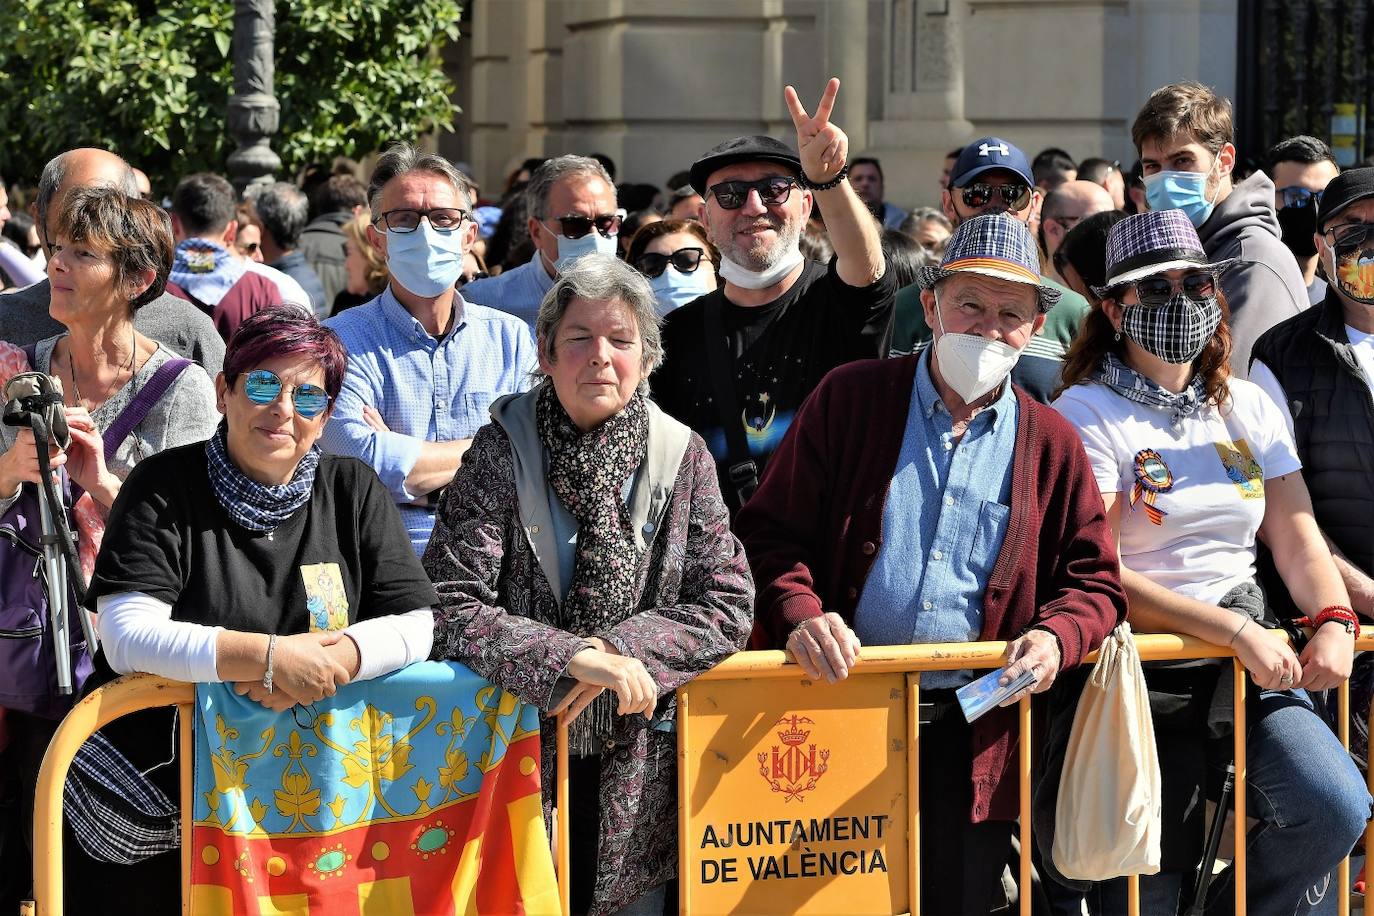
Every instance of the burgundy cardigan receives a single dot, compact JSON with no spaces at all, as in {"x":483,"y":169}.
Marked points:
{"x":814,"y":527}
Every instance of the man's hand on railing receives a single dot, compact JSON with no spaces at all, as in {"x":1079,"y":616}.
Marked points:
{"x":1036,"y":651}
{"x":1271,"y":663}
{"x":825,"y":647}
{"x":1328,"y":658}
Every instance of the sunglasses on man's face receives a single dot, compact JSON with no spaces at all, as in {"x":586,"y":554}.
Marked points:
{"x":684,"y":261}
{"x":1349,"y":235}
{"x":574,"y":226}
{"x":263,"y":387}
{"x":1198,"y":285}
{"x":731,"y":195}
{"x":1295,"y":196}
{"x":1015,"y":196}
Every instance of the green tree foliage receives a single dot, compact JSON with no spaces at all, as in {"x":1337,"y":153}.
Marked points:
{"x":151,"y":79}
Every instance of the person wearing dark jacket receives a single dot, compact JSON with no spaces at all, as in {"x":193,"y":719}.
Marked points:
{"x":928,"y":499}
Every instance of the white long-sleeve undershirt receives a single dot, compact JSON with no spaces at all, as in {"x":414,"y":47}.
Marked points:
{"x":139,"y":634}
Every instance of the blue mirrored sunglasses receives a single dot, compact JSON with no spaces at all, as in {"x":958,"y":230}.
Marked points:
{"x":263,"y":387}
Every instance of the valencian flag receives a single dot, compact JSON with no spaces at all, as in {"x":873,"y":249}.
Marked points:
{"x":415,"y":794}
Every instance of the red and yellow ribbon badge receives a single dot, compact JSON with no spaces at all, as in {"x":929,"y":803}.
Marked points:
{"x":1152,"y":477}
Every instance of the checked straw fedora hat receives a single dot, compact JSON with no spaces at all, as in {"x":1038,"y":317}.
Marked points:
{"x":1149,"y":243}
{"x":994,"y":245}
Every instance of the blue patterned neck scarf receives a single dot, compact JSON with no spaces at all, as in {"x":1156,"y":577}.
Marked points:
{"x":1133,"y":386}
{"x":256,"y":506}
{"x":205,"y":269}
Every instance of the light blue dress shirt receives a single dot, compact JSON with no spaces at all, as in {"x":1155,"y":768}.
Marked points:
{"x":943,"y":526}
{"x":426,"y":390}
{"x":517,"y":291}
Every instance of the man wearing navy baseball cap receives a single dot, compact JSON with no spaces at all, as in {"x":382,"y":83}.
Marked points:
{"x":739,"y":361}
{"x":992,"y":175}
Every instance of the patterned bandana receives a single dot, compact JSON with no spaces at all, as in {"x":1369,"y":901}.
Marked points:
{"x":205,"y":269}
{"x":588,"y":471}
{"x":256,"y":506}
{"x":1133,"y":386}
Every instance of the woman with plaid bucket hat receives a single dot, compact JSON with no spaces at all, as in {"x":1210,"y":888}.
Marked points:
{"x":1193,"y":465}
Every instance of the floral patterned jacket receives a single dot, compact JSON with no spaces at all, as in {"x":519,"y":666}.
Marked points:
{"x":493,"y":560}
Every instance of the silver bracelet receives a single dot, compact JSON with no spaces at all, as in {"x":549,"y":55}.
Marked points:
{"x":1245,"y":623}
{"x":271,"y":650}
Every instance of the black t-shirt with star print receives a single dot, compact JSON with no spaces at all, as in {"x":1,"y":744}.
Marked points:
{"x":781,"y":351}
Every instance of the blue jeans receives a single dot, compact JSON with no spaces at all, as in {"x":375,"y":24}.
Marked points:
{"x":1312,"y":806}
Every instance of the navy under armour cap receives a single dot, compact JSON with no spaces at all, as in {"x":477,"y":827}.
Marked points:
{"x":986,"y":154}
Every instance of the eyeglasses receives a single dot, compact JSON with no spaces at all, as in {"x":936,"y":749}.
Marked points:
{"x":1349,"y":235}
{"x":731,"y":195}
{"x":263,"y":386}
{"x":1198,"y":285}
{"x":441,"y":219}
{"x":1295,"y":196}
{"x":684,"y":260}
{"x":1015,"y":196}
{"x":574,"y":226}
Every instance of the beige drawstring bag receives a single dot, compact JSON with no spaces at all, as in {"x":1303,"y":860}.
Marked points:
{"x":1107,"y":821}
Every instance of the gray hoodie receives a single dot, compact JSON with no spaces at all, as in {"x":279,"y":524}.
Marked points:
{"x":1265,"y":286}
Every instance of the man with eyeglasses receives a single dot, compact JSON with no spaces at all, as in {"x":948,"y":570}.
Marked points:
{"x":572,"y":213}
{"x":1301,"y":168}
{"x":423,"y":364}
{"x":739,"y":361}
{"x":992,"y":175}
{"x":1185,"y":138}
{"x":1319,"y":367}
{"x":1063,"y":208}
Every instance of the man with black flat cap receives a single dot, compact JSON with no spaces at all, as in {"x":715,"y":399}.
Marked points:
{"x":740,"y":361}
{"x":1319,"y":366}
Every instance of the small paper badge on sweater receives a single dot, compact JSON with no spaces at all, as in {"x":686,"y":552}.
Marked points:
{"x":325,"y":598}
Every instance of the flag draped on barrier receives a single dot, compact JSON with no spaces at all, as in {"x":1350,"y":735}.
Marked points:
{"x":416,"y":793}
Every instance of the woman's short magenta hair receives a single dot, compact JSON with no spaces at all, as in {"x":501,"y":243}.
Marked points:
{"x":285,"y":330}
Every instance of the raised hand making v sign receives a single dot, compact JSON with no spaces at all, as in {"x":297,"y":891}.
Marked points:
{"x":824,"y":151}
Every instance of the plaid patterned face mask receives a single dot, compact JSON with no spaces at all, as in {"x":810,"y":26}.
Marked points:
{"x":1175,"y":332}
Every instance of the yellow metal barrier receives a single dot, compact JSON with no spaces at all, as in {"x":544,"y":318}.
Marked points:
{"x":137,"y":692}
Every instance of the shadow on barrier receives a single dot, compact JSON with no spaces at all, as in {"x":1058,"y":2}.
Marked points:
{"x":887,"y":678}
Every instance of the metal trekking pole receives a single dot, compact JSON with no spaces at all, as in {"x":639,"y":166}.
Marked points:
{"x":1209,"y":853}
{"x":55,"y":574}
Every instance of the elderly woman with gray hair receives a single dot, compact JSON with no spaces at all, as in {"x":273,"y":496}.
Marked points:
{"x":584,"y":562}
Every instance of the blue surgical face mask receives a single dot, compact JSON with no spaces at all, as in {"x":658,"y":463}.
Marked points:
{"x":593,"y":242}
{"x":426,"y":261}
{"x":674,"y":290}
{"x":1186,"y":191}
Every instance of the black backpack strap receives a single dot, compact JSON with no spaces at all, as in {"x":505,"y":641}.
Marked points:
{"x":741,"y":470}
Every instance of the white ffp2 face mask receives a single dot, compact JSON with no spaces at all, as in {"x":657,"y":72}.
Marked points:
{"x":970,"y":364}
{"x":743,"y":277}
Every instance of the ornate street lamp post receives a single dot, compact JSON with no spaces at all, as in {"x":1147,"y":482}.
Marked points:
{"x":253,"y":110}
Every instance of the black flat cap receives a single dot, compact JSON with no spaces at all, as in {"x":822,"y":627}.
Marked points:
{"x":1346,"y":188}
{"x":741,"y":149}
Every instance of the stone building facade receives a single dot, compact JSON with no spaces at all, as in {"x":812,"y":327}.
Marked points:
{"x":652,"y":83}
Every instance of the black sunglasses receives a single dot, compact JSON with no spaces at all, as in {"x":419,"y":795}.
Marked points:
{"x":1198,"y":285}
{"x":442,"y":219}
{"x":1295,"y":196}
{"x":574,"y":226}
{"x":731,"y":195}
{"x":1015,"y":196}
{"x":1349,"y":235}
{"x":684,"y":261}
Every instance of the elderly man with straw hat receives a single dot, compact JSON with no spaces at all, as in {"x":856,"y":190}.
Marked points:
{"x":928,"y":499}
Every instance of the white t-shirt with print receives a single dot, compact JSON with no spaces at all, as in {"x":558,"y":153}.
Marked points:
{"x":1205,"y":479}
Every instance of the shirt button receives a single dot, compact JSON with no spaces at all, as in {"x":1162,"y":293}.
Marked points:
{"x":648,"y":527}
{"x":927,"y":605}
{"x":869,"y":548}
{"x":948,"y":445}
{"x":534,"y":529}
{"x":935,"y":554}
{"x":949,"y":500}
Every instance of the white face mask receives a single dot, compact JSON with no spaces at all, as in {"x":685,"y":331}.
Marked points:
{"x":742,"y":276}
{"x":970,"y":364}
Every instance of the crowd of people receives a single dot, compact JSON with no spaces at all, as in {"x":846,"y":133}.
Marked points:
{"x":589,"y":439}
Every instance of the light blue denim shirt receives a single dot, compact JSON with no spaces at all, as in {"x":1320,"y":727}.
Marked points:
{"x":943,"y":526}
{"x":426,"y":390}
{"x":517,"y":291}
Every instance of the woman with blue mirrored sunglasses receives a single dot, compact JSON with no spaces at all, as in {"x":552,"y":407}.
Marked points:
{"x":263,"y":386}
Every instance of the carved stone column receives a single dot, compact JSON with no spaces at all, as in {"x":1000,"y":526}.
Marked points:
{"x":253,"y":110}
